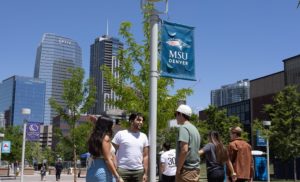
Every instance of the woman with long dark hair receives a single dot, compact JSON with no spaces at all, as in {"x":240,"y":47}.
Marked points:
{"x":101,"y":167}
{"x":216,"y":156}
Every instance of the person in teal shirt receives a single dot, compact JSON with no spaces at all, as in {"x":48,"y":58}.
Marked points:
{"x":187,"y":147}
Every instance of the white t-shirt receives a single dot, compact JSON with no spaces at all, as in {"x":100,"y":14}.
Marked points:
{"x":168,"y":159}
{"x":130,"y":151}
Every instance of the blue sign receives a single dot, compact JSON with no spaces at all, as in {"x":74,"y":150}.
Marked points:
{"x":177,"y":51}
{"x":33,"y":131}
{"x":5,"y":148}
{"x":260,"y":140}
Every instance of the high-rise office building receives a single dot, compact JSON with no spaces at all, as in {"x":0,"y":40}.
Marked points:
{"x":55,"y":55}
{"x":231,"y":93}
{"x":104,"y":51}
{"x":19,"y":92}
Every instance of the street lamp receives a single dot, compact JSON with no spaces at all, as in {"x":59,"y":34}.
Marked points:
{"x":267,"y":125}
{"x":25,"y":111}
{"x":154,"y":19}
{"x":1,"y":137}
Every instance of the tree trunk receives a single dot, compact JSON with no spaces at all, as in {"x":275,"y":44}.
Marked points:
{"x":75,"y":161}
{"x":295,"y":170}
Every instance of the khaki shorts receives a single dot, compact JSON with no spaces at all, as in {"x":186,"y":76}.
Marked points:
{"x":188,"y":175}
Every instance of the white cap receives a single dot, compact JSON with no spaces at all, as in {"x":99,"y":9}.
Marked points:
{"x":185,"y":109}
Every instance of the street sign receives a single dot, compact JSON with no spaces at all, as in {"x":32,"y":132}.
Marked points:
{"x":6,"y":145}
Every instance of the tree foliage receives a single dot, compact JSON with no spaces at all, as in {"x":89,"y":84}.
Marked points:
{"x":132,"y":85}
{"x":33,"y":152}
{"x":15,"y":135}
{"x":219,"y":121}
{"x":285,"y":127}
{"x":78,"y":96}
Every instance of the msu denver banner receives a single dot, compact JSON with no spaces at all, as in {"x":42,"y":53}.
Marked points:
{"x":177,"y":51}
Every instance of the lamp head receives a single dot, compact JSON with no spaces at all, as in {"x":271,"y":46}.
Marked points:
{"x":26,"y":111}
{"x":267,"y":123}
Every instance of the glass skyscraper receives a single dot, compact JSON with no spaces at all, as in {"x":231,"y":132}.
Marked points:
{"x":231,"y":93}
{"x":55,"y":55}
{"x":104,"y":51}
{"x":19,"y":92}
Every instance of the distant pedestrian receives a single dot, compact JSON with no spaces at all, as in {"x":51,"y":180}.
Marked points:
{"x":188,"y":146}
{"x":101,"y":167}
{"x":43,"y":171}
{"x":216,"y":156}
{"x":240,"y":156}
{"x":132,"y":151}
{"x":58,"y":169}
{"x":167,"y":163}
{"x":16,"y":168}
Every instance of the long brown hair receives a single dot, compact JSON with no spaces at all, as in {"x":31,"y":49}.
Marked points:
{"x":103,"y":126}
{"x":221,"y":152}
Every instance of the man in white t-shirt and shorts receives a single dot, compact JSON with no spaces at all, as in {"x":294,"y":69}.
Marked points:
{"x":132,"y":151}
{"x":167,"y":163}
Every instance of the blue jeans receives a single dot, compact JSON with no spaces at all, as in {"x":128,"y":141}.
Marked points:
{"x":99,"y":172}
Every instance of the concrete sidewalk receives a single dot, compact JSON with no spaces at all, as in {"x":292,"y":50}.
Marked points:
{"x":37,"y":178}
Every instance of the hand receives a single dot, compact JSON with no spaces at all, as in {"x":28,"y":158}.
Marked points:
{"x":233,"y":177}
{"x":145,"y":178}
{"x":178,"y":172}
{"x":120,"y":179}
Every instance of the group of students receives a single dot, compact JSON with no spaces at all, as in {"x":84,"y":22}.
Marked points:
{"x":124,"y":157}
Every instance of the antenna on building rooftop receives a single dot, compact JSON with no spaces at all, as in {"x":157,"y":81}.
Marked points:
{"x":107,"y":27}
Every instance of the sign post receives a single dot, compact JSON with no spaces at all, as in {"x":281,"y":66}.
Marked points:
{"x":1,"y":137}
{"x":25,"y":111}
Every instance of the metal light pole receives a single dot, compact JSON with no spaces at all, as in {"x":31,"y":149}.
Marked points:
{"x":154,"y":19}
{"x":1,"y":137}
{"x":267,"y":125}
{"x":25,"y":111}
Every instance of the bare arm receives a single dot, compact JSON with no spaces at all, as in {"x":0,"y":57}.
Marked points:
{"x":106,"y":150}
{"x":182,"y":155}
{"x":231,"y":169}
{"x":161,"y":168}
{"x":145,"y":162}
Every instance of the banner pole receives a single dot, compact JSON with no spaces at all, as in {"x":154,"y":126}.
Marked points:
{"x":153,"y":93}
{"x":25,"y":111}
{"x":23,"y":151}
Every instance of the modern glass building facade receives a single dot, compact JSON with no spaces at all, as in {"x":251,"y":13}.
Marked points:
{"x":55,"y":55}
{"x":104,"y":51}
{"x":231,"y":93}
{"x":19,"y":92}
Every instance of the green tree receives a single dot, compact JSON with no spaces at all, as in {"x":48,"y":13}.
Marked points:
{"x":219,"y":121}
{"x":33,"y":152}
{"x":285,"y":128}
{"x":82,"y":133}
{"x":78,"y":98}
{"x":132,"y":85}
{"x":15,"y":135}
{"x":48,"y":154}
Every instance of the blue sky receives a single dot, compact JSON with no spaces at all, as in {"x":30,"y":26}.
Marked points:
{"x":234,"y":39}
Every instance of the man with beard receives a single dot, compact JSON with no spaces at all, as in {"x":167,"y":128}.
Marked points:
{"x":132,"y":151}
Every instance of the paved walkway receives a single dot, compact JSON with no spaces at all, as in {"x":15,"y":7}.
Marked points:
{"x":37,"y":178}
